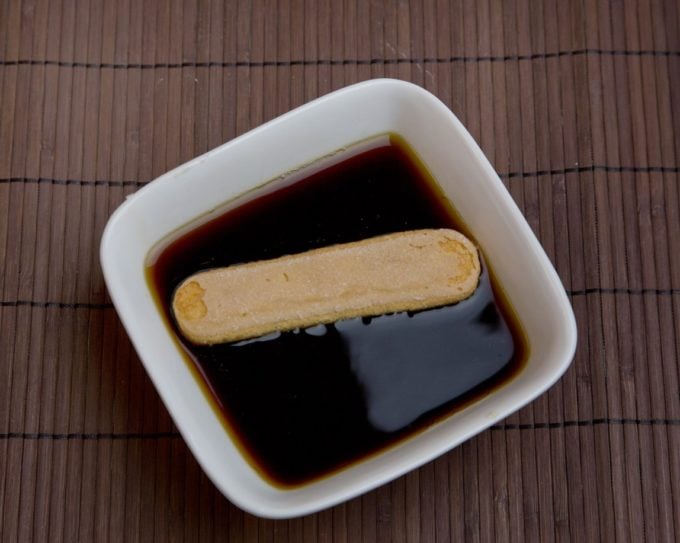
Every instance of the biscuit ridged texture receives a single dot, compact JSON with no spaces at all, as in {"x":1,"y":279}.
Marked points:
{"x":405,"y":271}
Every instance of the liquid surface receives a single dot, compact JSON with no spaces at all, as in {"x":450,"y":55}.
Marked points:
{"x":305,"y":403}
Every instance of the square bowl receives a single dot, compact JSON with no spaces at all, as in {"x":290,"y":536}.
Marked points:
{"x":235,"y":173}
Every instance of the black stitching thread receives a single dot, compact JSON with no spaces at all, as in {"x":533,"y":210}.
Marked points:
{"x":592,"y":422}
{"x":66,"y":182}
{"x":629,"y":291}
{"x":593,"y":168}
{"x":507,"y":175}
{"x":583,"y":292}
{"x":339,"y":62}
{"x":496,"y":427}
{"x":88,"y":436}
{"x":58,"y":305}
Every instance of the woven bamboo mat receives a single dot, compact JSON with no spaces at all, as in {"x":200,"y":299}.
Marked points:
{"x":577,"y":105}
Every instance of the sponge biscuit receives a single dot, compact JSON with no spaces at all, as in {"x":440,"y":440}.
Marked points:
{"x":405,"y":271}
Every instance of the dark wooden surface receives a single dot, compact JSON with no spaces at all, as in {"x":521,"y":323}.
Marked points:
{"x":577,"y":105}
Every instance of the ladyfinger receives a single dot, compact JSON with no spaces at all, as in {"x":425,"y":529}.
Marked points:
{"x":405,"y":271}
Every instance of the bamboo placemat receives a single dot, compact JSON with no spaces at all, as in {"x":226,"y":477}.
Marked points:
{"x":577,"y":105}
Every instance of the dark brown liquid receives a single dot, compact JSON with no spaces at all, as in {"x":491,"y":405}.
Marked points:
{"x":305,"y":403}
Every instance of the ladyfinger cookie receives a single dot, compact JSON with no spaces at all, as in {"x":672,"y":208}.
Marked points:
{"x":405,"y":271}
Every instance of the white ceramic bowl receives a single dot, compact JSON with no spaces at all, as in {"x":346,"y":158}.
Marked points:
{"x":227,"y":175}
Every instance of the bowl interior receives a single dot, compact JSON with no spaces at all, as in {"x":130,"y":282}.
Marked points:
{"x":255,"y":162}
